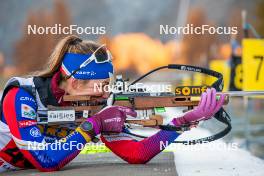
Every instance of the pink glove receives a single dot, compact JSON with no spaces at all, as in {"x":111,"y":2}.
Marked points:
{"x":111,"y":119}
{"x":207,"y":107}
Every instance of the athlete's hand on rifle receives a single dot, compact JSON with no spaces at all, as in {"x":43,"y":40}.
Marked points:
{"x":110,"y":119}
{"x":208,"y":106}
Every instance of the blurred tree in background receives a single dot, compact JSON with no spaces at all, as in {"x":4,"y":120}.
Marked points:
{"x":138,"y":52}
{"x":197,"y":47}
{"x":260,"y":16}
{"x":2,"y":63}
{"x":133,"y":52}
{"x":236,"y":20}
{"x":32,"y":51}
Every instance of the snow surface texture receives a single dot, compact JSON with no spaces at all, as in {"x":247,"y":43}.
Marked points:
{"x":216,"y":158}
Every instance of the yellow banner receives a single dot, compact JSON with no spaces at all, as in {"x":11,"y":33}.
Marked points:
{"x":220,"y":66}
{"x":253,"y":64}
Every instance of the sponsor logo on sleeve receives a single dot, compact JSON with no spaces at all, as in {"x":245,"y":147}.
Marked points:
{"x":27,"y":99}
{"x":35,"y":132}
{"x":115,"y":119}
{"x":28,"y":112}
{"x":26,"y":123}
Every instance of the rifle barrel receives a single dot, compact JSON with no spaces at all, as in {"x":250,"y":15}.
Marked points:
{"x":244,"y":93}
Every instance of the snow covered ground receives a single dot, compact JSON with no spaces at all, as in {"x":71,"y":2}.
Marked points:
{"x":216,"y":158}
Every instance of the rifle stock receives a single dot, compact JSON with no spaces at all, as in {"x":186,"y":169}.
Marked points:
{"x":137,"y":103}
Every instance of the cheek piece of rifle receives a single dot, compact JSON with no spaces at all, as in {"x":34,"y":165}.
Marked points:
{"x":84,"y":106}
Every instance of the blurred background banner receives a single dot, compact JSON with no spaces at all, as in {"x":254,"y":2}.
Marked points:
{"x":132,"y":30}
{"x":132,"y":33}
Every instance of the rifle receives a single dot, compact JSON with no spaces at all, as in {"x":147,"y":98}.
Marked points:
{"x":144,"y":102}
{"x":150,"y":106}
